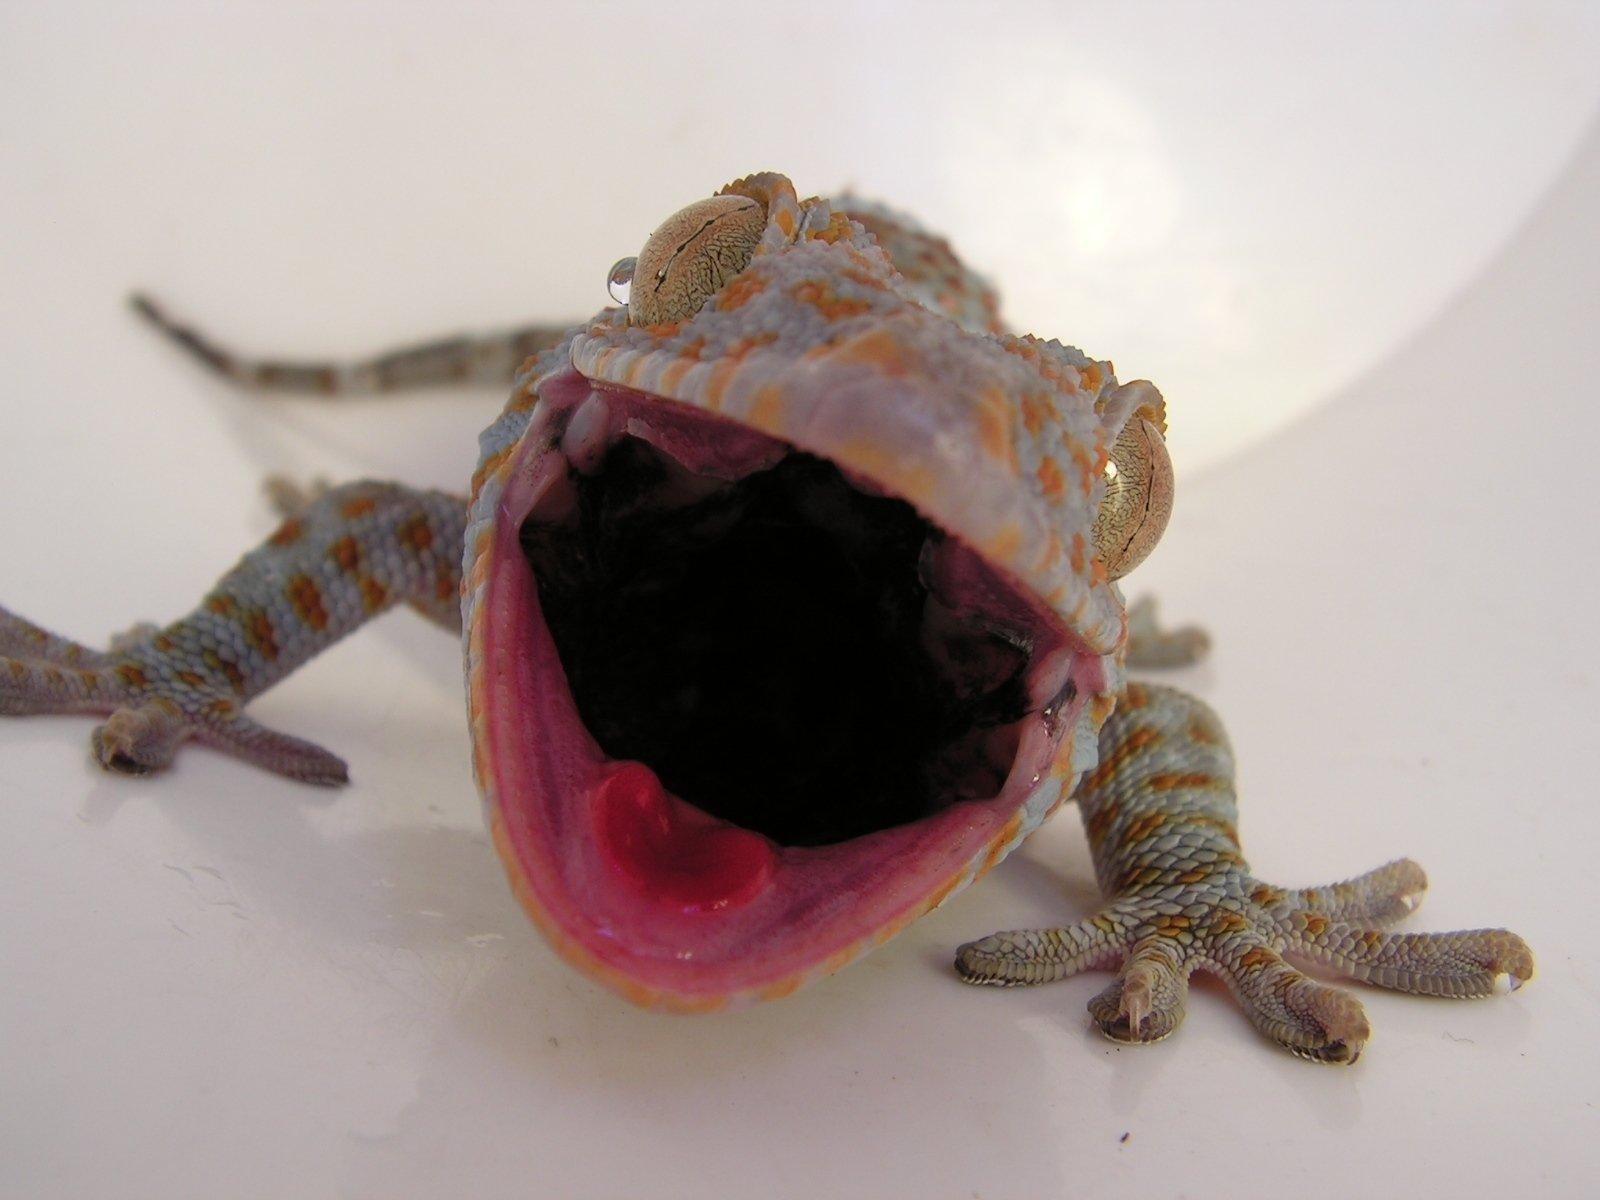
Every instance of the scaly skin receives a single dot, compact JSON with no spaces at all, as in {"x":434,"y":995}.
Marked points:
{"x":1157,"y":805}
{"x":353,"y":553}
{"x":1160,"y":814}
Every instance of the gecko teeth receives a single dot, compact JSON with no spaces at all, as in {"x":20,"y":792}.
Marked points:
{"x":589,"y":434}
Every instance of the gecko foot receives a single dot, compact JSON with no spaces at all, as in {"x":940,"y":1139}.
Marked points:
{"x":1243,"y":930}
{"x":291,"y":499}
{"x":149,"y":714}
{"x":1153,"y":648}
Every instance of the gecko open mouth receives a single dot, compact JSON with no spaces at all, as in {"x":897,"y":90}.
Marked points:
{"x":749,"y":714}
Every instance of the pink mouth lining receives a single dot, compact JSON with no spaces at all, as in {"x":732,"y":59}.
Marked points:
{"x":674,"y":905}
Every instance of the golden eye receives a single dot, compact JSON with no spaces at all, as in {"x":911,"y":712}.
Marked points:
{"x":688,"y":259}
{"x":1138,"y":498}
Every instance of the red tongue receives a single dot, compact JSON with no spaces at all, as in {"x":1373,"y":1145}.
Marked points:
{"x":672,"y":850}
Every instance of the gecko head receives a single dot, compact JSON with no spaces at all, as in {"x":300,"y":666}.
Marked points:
{"x":789,"y":602}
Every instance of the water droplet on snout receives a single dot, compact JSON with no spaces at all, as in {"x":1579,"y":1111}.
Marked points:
{"x":620,"y":281}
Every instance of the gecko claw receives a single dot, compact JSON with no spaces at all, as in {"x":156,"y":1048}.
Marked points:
{"x":138,"y":739}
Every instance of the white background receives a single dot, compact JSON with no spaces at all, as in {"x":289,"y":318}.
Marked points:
{"x":1356,"y":248}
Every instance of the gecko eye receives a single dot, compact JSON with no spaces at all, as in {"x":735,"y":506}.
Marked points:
{"x":1138,"y":498}
{"x":688,"y":259}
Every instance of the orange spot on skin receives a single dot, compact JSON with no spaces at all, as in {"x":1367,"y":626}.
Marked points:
{"x":1052,"y":551}
{"x":222,"y":605}
{"x":1169,"y":781}
{"x":1138,"y":877}
{"x":445,"y":588}
{"x":132,"y":676}
{"x":994,"y":414}
{"x":1146,"y":825}
{"x":1079,"y":554}
{"x":306,"y":599}
{"x":345,"y":554}
{"x":886,"y":466}
{"x":740,"y":349}
{"x":359,"y":507}
{"x":162,"y":643}
{"x":1266,"y":895}
{"x":864,"y":278}
{"x":1257,"y":957}
{"x":837,"y":229}
{"x":259,"y":632}
{"x":373,"y":594}
{"x":1315,"y":925}
{"x":489,"y":467}
{"x":1051,"y":481}
{"x":226,"y":668}
{"x":1101,"y":820}
{"x":415,"y":535}
{"x":783,"y":988}
{"x":672,"y":375}
{"x":944,"y":891}
{"x":876,"y":348}
{"x":1034,"y":412}
{"x":288,"y":533}
{"x":766,"y":407}
{"x":717,"y":382}
{"x":191,"y":678}
{"x":1005,"y":544}
{"x":1118,"y":758}
{"x":1091,"y":377}
{"x":1225,"y":828}
{"x":834,"y":307}
{"x":1087,"y":471}
{"x":997,"y":847}
{"x":839,"y":960}
{"x":740,"y":292}
{"x":1227,"y":921}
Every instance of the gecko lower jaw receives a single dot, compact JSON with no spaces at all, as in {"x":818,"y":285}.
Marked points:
{"x":747,"y":716}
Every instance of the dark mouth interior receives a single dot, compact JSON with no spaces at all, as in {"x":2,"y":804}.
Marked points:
{"x":775,"y":648}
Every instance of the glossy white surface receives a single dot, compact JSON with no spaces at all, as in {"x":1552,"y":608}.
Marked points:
{"x":216,"y":983}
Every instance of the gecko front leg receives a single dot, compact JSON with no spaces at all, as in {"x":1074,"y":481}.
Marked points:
{"x":487,"y":359}
{"x":351,"y":554}
{"x":1160,"y":814}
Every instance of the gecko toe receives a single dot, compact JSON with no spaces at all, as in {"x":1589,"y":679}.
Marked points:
{"x":138,"y":739}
